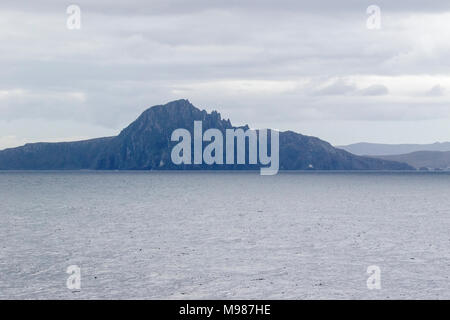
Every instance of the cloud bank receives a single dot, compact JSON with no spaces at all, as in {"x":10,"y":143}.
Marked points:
{"x":285,"y":64}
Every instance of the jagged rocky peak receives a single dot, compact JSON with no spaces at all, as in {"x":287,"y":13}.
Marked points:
{"x":173,"y":109}
{"x":175,"y":114}
{"x":146,"y":145}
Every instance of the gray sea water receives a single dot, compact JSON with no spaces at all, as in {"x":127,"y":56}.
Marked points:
{"x":205,"y":235}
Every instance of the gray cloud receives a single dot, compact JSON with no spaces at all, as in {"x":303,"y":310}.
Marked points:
{"x":159,"y":7}
{"x":435,"y":91}
{"x":249,"y":59}
{"x":339,"y":87}
{"x":375,"y":90}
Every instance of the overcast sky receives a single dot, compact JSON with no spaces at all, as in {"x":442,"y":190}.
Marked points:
{"x":310,"y":66}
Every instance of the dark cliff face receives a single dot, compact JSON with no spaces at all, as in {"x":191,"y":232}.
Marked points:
{"x":54,"y":156}
{"x":145,"y":145}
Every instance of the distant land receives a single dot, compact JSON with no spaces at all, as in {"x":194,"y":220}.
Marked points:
{"x":423,"y":160}
{"x":146,"y":145}
{"x":378,"y":149}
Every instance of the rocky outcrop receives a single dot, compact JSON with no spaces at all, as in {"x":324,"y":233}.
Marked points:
{"x":145,"y":145}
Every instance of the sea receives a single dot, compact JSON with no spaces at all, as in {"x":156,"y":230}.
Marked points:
{"x":224,"y":235}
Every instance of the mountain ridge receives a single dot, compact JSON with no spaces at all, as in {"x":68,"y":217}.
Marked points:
{"x":380,"y":149}
{"x":423,"y":160}
{"x":145,"y":144}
